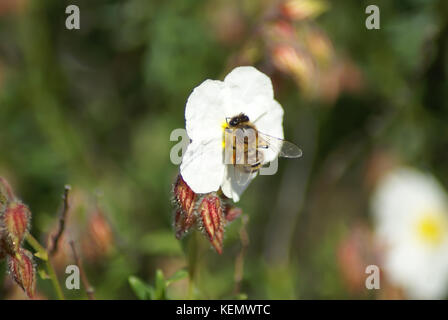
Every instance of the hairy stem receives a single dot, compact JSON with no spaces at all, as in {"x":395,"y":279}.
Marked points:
{"x":42,"y":254}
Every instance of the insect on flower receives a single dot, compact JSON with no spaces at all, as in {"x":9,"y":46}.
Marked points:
{"x":244,"y":146}
{"x":219,"y":117}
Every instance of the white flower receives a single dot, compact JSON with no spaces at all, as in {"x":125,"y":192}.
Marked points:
{"x":411,"y":215}
{"x":244,"y":90}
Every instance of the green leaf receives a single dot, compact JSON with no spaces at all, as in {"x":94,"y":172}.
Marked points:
{"x":178,"y":275}
{"x":161,"y":242}
{"x":160,"y":286}
{"x":241,"y":296}
{"x":141,"y":289}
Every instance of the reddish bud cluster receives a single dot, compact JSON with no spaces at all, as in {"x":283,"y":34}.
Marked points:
{"x":212,"y":220}
{"x":23,"y":270}
{"x":185,"y":199}
{"x":15,"y":220}
{"x":297,"y":48}
{"x":208,"y":212}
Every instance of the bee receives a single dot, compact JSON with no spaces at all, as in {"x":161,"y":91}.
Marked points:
{"x":248,"y":147}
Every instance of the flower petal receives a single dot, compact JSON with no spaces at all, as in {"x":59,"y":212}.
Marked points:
{"x":202,"y":166}
{"x":204,"y":112}
{"x":250,"y":83}
{"x":247,"y":91}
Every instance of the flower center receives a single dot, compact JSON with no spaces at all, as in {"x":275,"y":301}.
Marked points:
{"x":431,"y":229}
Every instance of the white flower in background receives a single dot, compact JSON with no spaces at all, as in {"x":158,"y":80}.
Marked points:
{"x":411,"y":213}
{"x":210,"y":105}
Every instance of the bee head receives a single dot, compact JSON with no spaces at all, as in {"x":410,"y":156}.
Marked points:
{"x":234,"y":122}
{"x":238,"y":119}
{"x":244,"y":118}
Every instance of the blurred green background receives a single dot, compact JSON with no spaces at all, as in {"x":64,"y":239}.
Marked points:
{"x":94,"y":108}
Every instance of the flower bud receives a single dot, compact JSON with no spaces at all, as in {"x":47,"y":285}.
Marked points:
{"x":296,"y":63}
{"x":319,"y":46}
{"x":303,"y":9}
{"x":212,"y":219}
{"x":281,"y":30}
{"x":232,"y":213}
{"x":23,"y":271}
{"x":15,"y":222}
{"x":218,"y":240}
{"x":98,"y":241}
{"x":183,"y":223}
{"x":101,"y":231}
{"x":185,"y":200}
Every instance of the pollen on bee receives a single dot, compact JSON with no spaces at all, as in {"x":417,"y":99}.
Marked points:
{"x":224,"y":126}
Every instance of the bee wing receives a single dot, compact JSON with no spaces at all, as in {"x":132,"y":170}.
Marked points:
{"x":282,"y":147}
{"x":240,"y":174}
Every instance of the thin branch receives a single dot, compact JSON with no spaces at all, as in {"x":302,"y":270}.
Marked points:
{"x":53,"y":245}
{"x":89,"y":289}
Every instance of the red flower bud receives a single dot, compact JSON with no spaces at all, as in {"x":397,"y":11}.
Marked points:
{"x":185,"y":200}
{"x":98,"y":241}
{"x":320,"y":46}
{"x":281,"y":30}
{"x":232,"y":213}
{"x":23,"y":271}
{"x":296,"y":63}
{"x":212,"y":219}
{"x":303,"y":9}
{"x":15,"y":222}
{"x":183,"y":223}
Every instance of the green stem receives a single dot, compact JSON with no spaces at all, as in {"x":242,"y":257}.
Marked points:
{"x":42,"y":254}
{"x":192,"y":256}
{"x":54,"y":280}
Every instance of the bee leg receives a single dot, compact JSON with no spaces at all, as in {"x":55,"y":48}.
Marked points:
{"x":254,"y":167}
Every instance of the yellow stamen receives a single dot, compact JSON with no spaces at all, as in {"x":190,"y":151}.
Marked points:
{"x":432,"y":229}
{"x":224,"y":126}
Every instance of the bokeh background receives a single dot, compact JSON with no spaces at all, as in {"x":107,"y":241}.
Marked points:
{"x":94,"y":108}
